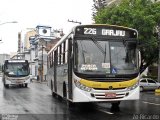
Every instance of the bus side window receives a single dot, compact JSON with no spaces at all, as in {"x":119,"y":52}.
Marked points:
{"x":62,"y":53}
{"x":66,"y":51}
{"x":52,"y":59}
{"x":64,"y":47}
{"x":58,"y":55}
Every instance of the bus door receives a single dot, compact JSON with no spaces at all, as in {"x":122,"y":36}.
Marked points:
{"x":55,"y":71}
{"x":70,"y":62}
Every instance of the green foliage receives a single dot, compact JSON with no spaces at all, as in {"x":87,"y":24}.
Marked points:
{"x":142,"y":15}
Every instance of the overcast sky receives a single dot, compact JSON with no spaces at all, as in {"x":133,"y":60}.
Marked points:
{"x":30,"y":13}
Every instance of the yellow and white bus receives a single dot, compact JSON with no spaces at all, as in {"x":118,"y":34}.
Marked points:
{"x":95,"y":63}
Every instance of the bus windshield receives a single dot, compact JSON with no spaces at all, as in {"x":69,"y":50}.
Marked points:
{"x":105,"y":57}
{"x":17,"y":69}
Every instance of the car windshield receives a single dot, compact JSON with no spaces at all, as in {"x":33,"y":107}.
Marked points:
{"x":17,"y":69}
{"x":104,"y":57}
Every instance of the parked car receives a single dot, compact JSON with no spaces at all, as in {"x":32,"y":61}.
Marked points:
{"x":148,"y":84}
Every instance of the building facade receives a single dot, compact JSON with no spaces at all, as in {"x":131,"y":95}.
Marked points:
{"x":3,"y":57}
{"x":26,"y":39}
{"x":36,"y":45}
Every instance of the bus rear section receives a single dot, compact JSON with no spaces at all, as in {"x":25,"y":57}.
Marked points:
{"x":16,"y":72}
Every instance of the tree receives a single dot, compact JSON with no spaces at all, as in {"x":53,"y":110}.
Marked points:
{"x":142,"y":15}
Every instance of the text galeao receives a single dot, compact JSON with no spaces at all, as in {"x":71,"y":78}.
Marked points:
{"x":113,"y":32}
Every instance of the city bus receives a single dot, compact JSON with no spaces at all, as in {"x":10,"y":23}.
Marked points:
{"x":95,"y":63}
{"x":16,"y":72}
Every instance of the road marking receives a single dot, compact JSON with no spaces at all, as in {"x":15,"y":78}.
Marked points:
{"x":151,"y":103}
{"x":105,"y":112}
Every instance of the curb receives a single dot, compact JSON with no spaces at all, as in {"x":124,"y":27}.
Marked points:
{"x":44,"y":82}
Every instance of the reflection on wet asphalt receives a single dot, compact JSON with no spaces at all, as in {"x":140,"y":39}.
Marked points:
{"x":35,"y":99}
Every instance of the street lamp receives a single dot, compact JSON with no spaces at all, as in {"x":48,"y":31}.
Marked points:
{"x":74,"y":21}
{"x":8,"y":22}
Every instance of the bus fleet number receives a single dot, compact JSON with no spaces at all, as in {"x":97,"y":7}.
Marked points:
{"x":90,"y":31}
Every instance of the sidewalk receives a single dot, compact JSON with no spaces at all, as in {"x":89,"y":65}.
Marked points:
{"x":38,"y":81}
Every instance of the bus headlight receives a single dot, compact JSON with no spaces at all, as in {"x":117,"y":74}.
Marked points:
{"x":8,"y":78}
{"x":28,"y":77}
{"x":133,"y":86}
{"x":81,"y":86}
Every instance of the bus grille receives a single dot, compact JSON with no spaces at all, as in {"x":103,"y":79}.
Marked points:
{"x":113,"y":94}
{"x":109,"y":89}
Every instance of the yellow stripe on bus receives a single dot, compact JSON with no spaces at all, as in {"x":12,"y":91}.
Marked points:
{"x":94,"y":84}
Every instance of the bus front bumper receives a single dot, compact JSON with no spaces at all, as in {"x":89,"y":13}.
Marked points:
{"x":101,"y":95}
{"x":14,"y":82}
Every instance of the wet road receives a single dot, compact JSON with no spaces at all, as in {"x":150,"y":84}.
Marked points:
{"x":37,"y":103}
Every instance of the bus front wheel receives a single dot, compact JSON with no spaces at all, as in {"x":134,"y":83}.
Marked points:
{"x":70,"y":104}
{"x":64,"y":91}
{"x":26,"y":85}
{"x":6,"y":85}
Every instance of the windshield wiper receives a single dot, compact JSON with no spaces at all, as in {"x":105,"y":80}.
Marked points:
{"x":83,"y":51}
{"x":100,"y":47}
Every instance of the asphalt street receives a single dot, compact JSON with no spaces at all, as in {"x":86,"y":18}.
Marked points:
{"x":36,"y":103}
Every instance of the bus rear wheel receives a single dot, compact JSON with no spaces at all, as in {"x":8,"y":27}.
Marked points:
{"x":53,"y":93}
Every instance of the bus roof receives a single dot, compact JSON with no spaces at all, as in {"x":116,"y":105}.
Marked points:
{"x":109,"y":25}
{"x":89,"y":25}
{"x":15,"y":61}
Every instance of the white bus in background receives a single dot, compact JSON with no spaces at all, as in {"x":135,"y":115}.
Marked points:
{"x":16,"y":72}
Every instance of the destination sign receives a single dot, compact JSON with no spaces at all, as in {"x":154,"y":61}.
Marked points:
{"x":15,"y":61}
{"x":111,"y":31}
{"x":108,"y":32}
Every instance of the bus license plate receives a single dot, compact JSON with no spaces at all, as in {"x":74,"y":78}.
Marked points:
{"x":18,"y":81}
{"x":110,"y":95}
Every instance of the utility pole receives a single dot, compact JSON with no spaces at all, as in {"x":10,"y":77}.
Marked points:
{"x":74,"y":21}
{"x":158,"y":32}
{"x":42,"y":66}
